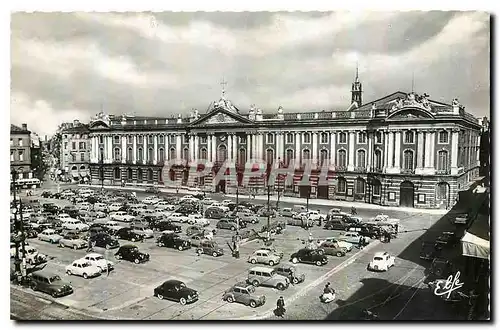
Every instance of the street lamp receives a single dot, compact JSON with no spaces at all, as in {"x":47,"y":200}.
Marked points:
{"x":101,"y":169}
{"x":19,"y":237}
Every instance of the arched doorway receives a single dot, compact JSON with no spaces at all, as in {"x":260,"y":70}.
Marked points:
{"x":222,"y":153}
{"x":139,"y":175}
{"x":129,"y":174}
{"x":443,"y":194}
{"x":406,"y":194}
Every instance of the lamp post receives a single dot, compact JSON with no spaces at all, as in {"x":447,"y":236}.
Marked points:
{"x":19,"y":237}
{"x":268,"y":212}
{"x":101,"y":170}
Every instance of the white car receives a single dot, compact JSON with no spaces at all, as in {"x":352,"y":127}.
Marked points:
{"x":74,"y":224}
{"x":115,"y":207}
{"x":49,"y":235}
{"x":164,"y":205}
{"x":86,"y":206}
{"x":100,"y":207}
{"x":121,"y":216}
{"x":67,"y":193}
{"x":343,"y":244}
{"x":32,"y":255}
{"x":151,"y":200}
{"x":382,"y":261}
{"x":198,"y":219}
{"x":64,"y":217}
{"x":315,"y":215}
{"x":207,"y":201}
{"x":189,"y":198}
{"x":84,"y":268}
{"x":98,"y":260}
{"x":164,"y":212}
{"x":113,"y":225}
{"x":220,"y":206}
{"x":337,"y":211}
{"x":226,"y":202}
{"x":178,"y":217}
{"x":353,"y":237}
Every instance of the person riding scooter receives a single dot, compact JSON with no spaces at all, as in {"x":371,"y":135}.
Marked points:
{"x":328,"y":294}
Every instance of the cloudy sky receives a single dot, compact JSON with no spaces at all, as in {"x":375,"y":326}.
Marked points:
{"x":67,"y":66}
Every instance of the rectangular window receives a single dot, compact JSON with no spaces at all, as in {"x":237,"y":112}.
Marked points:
{"x":81,"y":146}
{"x":130,"y":139}
{"x":12,"y":155}
{"x":101,"y":139}
{"x":361,"y":138}
{"x":421,"y":198}
{"x":185,"y":138}
{"x":242,"y":140}
{"x":289,"y":138}
{"x":172,"y":138}
{"x":376,"y":190}
{"x":73,"y":145}
{"x":443,"y":137}
{"x":11,"y":142}
{"x":82,"y":157}
{"x":20,"y":141}
{"x":161,"y":139}
{"x":269,"y":138}
{"x":21,"y":155}
{"x":342,"y":186}
{"x":203,"y":140}
{"x":150,"y":139}
{"x":116,"y":139}
{"x":324,"y":138}
{"x":306,"y":138}
{"x":409,"y":137}
{"x":343,"y":138}
{"x":378,"y":137}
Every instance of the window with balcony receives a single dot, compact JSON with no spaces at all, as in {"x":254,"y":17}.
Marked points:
{"x":129,"y":154}
{"x":306,"y":138}
{"x":343,"y":138}
{"x":442,"y":165}
{"x":341,"y":186}
{"x":342,"y":158}
{"x":289,"y":138}
{"x":361,"y":137}
{"x":288,"y":156}
{"x":324,"y":138}
{"x":408,"y":160}
{"x":361,"y":159}
{"x":409,"y":137}
{"x":117,"y":154}
{"x":443,"y":137}
{"x":269,"y":138}
{"x":323,"y":156}
{"x":82,"y":157}
{"x":269,"y":156}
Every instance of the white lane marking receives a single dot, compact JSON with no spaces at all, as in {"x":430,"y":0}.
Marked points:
{"x":45,"y":301}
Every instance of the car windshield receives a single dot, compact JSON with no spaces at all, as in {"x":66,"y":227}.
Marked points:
{"x":378,"y":259}
{"x":54,"y":278}
{"x":86,"y":264}
{"x":98,"y":258}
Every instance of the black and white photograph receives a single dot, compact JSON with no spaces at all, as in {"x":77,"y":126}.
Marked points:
{"x":260,"y":165}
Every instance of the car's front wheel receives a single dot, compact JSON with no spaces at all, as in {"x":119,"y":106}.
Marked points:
{"x":159,"y":296}
{"x":215,"y":254}
{"x":280,"y":286}
{"x":182,"y":301}
{"x":85,"y":276}
{"x":253,"y":261}
{"x":295,"y":280}
{"x":136,"y":261}
{"x":180,"y":248}
{"x":295,"y":260}
{"x":271,"y":263}
{"x":253,"y":304}
{"x":230,"y":299}
{"x":318,"y":263}
{"x":339,"y":254}
{"x":255,"y":283}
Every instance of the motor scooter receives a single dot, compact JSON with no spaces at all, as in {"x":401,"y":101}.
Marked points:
{"x":327,"y":297}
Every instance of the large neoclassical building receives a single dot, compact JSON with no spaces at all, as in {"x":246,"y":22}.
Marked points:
{"x":401,"y":149}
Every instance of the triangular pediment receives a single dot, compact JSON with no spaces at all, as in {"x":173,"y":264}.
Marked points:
{"x":220,"y":116}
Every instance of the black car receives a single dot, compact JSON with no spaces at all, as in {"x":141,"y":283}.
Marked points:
{"x":167,"y":225}
{"x":214,"y":213}
{"x":430,"y":250}
{"x":57,"y":195}
{"x":51,"y":207}
{"x":46,"y":194}
{"x":187,"y":209}
{"x":173,"y":241}
{"x":95,"y":229}
{"x":131,"y":253}
{"x":152,"y":220}
{"x":177,"y":291}
{"x":104,"y":241}
{"x":129,"y":235}
{"x":336,"y":224}
{"x":367,"y":231}
{"x":309,"y":256}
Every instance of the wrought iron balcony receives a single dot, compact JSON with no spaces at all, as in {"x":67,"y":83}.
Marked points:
{"x":443,"y":172}
{"x":360,"y":169}
{"x":376,"y":169}
{"x":341,"y":168}
{"x":407,"y":171}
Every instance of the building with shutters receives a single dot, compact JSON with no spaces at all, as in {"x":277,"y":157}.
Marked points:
{"x":20,"y":151}
{"x":75,"y":151}
{"x":402,"y":149}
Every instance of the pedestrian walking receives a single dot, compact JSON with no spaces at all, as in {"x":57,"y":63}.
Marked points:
{"x":89,"y":245}
{"x":387,"y":237}
{"x":107,"y":270}
{"x":280,"y":307}
{"x":361,"y":242}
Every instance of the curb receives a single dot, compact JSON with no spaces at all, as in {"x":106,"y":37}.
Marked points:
{"x":313,"y":284}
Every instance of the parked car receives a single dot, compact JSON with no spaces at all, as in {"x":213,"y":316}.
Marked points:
{"x":129,"y":235}
{"x":193,"y":230}
{"x":287,"y":212}
{"x":33,"y":257}
{"x":121,"y":216}
{"x":291,"y":273}
{"x":105,"y":241}
{"x":50,"y":283}
{"x":336,"y":223}
{"x":73,"y":224}
{"x":265,"y":276}
{"x":332,"y":249}
{"x":173,"y":241}
{"x":84,"y":268}
{"x":198,"y":219}
{"x":142,"y":228}
{"x":167,"y":225}
{"x":177,"y":291}
{"x":264,"y":257}
{"x":211,"y":248}
{"x":178,"y":217}
{"x":352,"y":237}
{"x":98,"y":260}
{"x":49,"y":235}
{"x":100,"y":207}
{"x":113,"y":226}
{"x":243,"y":293}
{"x":343,"y":244}
{"x":248,"y":218}
{"x":72,"y":240}
{"x":226,"y":224}
{"x":115,"y":207}
{"x":151,"y":200}
{"x":294,"y":221}
{"x":382,"y":261}
{"x":46,"y":194}
{"x":131,"y":253}
{"x":197,"y":239}
{"x":153,"y":190}
{"x":214,"y":213}
{"x":309,"y":256}
{"x":430,"y":250}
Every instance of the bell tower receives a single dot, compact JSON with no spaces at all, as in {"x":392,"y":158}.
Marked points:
{"x":356,"y":90}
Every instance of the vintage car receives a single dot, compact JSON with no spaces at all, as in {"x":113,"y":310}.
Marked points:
{"x":248,"y":218}
{"x":381,"y":261}
{"x":104,"y":241}
{"x":291,"y":273}
{"x":197,"y":239}
{"x":264,"y":257}
{"x":430,"y":250}
{"x":177,"y":291}
{"x":121,"y":216}
{"x":210,"y":247}
{"x":73,"y":224}
{"x":49,"y":283}
{"x":243,"y":293}
{"x":151,"y":200}
{"x":173,"y":241}
{"x":84,"y":268}
{"x":266,"y":276}
{"x":72,"y":240}
{"x":332,"y":249}
{"x":129,"y":234}
{"x":33,"y":257}
{"x":49,"y":235}
{"x":226,"y":224}
{"x":198,"y":219}
{"x":167,"y":226}
{"x":309,"y":256}
{"x":142,"y":228}
{"x":131,"y":253}
{"x":98,"y":260}
{"x":353,"y":237}
{"x":113,"y":226}
{"x":193,"y":230}
{"x":178,"y":217}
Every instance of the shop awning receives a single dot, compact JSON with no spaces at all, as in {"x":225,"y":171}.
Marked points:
{"x":476,"y":241}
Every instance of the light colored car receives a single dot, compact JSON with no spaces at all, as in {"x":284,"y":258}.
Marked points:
{"x":64,"y":216}
{"x":264,"y":257}
{"x":267,"y":276}
{"x":178,"y":217}
{"x":151,"y":200}
{"x":198,"y":219}
{"x":49,"y":235}
{"x":100,"y":207}
{"x":315,"y":215}
{"x":84,"y":268}
{"x":67,"y":193}
{"x":143,"y":229}
{"x":207,"y":201}
{"x":72,"y":240}
{"x":243,"y":293}
{"x":220,"y":206}
{"x":382,"y":261}
{"x":188,"y":198}
{"x":86,"y":206}
{"x":343,"y":244}
{"x":115,"y":207}
{"x":226,"y":202}
{"x":287,"y":212}
{"x":352,"y":237}
{"x":31,"y":253}
{"x":337,"y":211}
{"x":164,"y":205}
{"x":74,"y":224}
{"x":121,"y":216}
{"x":98,"y":260}
{"x":113,"y":225}
{"x":164,"y":212}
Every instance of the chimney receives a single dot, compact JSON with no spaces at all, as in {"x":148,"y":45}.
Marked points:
{"x":25,"y":127}
{"x":76,"y":122}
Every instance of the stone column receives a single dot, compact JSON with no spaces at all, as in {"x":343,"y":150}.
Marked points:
{"x":110,"y":149}
{"x":333,"y":138}
{"x":145,"y":148}
{"x":178,"y":148}
{"x":315,"y":147}
{"x":229,"y":148}
{"x":196,"y":147}
{"x":350,"y":164}
{"x":191,"y":148}
{"x":397,"y":151}
{"x":155,"y":151}
{"x":124,"y":149}
{"x":433,"y":151}
{"x":214,"y":148}
{"x":369,"y":137}
{"x":282,"y":146}
{"x":297,"y":150}
{"x":385,"y":163}
{"x":277,"y":148}
{"x":420,"y":152}
{"x":209,"y":148}
{"x":454,"y":151}
{"x":249,"y":146}
{"x":260,"y":147}
{"x":235,"y":148}
{"x":167,"y":147}
{"x":391,"y":150}
{"x":134,"y":153}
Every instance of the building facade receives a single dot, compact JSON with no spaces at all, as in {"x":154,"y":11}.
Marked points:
{"x":20,"y":151}
{"x":402,"y":149}
{"x":75,"y":151}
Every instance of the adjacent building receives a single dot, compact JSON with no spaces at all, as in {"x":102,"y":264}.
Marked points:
{"x":20,"y":151}
{"x":402,"y":149}
{"x":74,"y":156}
